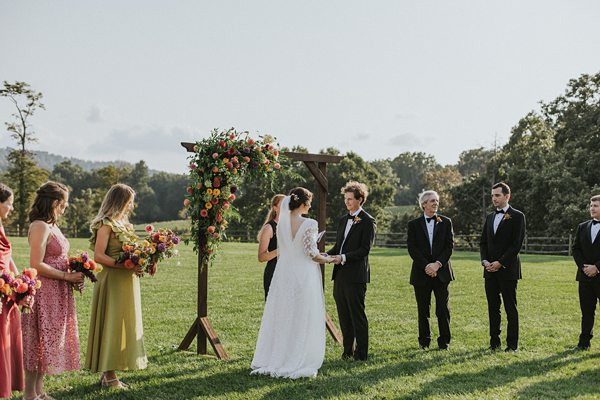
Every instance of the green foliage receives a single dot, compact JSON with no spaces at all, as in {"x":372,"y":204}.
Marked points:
{"x":24,"y":177}
{"x":411,"y":169}
{"x":217,"y":166}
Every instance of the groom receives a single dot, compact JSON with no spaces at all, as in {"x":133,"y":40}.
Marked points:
{"x":355,"y":235}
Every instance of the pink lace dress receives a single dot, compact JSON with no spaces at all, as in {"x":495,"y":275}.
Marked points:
{"x":50,"y":335}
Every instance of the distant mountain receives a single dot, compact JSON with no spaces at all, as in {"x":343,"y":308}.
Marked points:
{"x":48,"y":161}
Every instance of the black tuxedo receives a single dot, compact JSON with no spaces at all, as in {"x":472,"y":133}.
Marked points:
{"x":422,"y":253}
{"x":503,"y":246}
{"x":350,"y":282}
{"x":587,"y":252}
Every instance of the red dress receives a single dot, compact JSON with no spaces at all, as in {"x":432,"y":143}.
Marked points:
{"x":50,"y":336}
{"x":11,"y":346}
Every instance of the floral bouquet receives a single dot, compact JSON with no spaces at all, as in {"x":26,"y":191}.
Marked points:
{"x":84,"y":264}
{"x":24,"y":286}
{"x":6,"y":288}
{"x":156,"y":246}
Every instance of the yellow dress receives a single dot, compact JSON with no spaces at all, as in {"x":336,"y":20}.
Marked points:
{"x":116,"y":337}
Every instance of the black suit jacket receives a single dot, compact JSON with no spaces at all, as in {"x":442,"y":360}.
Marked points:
{"x":356,"y":248}
{"x":586,"y":252}
{"x":504,"y":245}
{"x":422,"y":254}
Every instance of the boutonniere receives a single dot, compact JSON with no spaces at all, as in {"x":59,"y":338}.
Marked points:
{"x":506,"y":216}
{"x":438,"y":219}
{"x":356,"y":220}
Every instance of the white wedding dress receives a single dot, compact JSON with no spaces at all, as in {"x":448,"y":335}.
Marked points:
{"x":291,"y":340}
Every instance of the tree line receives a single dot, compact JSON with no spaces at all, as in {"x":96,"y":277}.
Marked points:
{"x":550,"y":161}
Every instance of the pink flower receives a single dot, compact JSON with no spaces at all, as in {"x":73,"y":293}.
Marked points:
{"x":193,"y":166}
{"x":186,"y":202}
{"x":226,"y":205}
{"x":149,"y":228}
{"x":189,"y":189}
{"x":250,"y":141}
{"x":215,"y":156}
{"x":222,"y":143}
{"x":229,"y":165}
{"x":204,"y":213}
{"x":277,"y":166}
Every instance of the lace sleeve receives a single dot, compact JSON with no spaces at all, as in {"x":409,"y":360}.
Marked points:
{"x":309,"y":241}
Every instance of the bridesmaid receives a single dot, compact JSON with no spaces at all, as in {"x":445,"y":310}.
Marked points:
{"x":11,"y":345}
{"x":267,"y":242}
{"x":116,"y":338}
{"x":50,"y":335}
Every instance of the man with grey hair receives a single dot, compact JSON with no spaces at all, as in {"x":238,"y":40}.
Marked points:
{"x":430,"y":242}
{"x":586,"y":252}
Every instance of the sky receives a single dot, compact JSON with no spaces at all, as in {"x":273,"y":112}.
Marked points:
{"x":130,"y":80}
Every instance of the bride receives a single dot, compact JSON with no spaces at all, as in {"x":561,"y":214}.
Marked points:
{"x":291,"y":340}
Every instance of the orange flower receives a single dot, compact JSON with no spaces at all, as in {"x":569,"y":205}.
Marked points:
{"x":30,"y":272}
{"x":22,"y":288}
{"x":86,"y":265}
{"x":211,"y":229}
{"x":215,"y":169}
{"x":208,"y":206}
{"x":129,"y":264}
{"x":92,"y":265}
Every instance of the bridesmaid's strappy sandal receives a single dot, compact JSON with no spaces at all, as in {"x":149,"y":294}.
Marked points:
{"x":108,"y":383}
{"x":46,"y":396}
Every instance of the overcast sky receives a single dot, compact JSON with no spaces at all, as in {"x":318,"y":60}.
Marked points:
{"x":130,"y":80}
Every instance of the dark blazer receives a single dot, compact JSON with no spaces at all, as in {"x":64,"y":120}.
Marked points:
{"x":418,"y":247}
{"x":504,"y":245}
{"x":356,"y":248}
{"x":586,"y":252}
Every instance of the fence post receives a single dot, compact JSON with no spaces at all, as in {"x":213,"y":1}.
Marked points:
{"x":570,"y":243}
{"x":525,"y":243}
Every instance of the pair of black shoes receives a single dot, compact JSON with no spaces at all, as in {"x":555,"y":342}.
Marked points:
{"x":582,"y":347}
{"x":440,"y":346}
{"x":508,"y":349}
{"x":355,"y":357}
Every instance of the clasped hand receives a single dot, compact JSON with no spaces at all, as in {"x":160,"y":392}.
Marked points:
{"x":431,"y":269}
{"x":590,"y":270}
{"x":492,"y":266}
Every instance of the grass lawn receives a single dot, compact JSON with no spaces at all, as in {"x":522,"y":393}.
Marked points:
{"x":545,"y":367}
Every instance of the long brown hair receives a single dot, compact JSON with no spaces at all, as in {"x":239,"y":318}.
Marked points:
{"x":114,"y":203}
{"x":5,"y":193}
{"x":47,"y":198}
{"x":272,"y":212}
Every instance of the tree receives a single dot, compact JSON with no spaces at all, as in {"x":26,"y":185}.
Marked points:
{"x":82,"y":209}
{"x":23,"y":169}
{"x":411,"y":168}
{"x":474,"y":161}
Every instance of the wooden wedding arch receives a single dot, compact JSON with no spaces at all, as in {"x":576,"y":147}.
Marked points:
{"x":202,"y":328}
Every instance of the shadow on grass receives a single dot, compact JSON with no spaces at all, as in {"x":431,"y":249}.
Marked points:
{"x":567,"y":387}
{"x":467,"y":383}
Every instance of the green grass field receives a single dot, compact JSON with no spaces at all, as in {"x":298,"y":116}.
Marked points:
{"x":545,"y":367}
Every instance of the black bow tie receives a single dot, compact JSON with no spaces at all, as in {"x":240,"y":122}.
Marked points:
{"x":594,"y":222}
{"x":349,"y":216}
{"x":500,"y":211}
{"x":430,"y":218}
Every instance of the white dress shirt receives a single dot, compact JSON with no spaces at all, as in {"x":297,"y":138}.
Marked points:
{"x":430,"y":226}
{"x":498,"y":218}
{"x":595,"y":229}
{"x":349,"y":224}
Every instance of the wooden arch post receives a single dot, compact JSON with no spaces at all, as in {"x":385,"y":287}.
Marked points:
{"x":202,"y":328}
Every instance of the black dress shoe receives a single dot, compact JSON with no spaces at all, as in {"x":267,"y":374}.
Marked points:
{"x":494,"y":348}
{"x":510,"y":350}
{"x":582,"y":347}
{"x":443,"y":347}
{"x":346,"y":356}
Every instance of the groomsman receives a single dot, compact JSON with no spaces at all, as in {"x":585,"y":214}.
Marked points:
{"x":501,"y":240}
{"x":430,"y":242}
{"x":355,"y":235}
{"x":586,"y":252}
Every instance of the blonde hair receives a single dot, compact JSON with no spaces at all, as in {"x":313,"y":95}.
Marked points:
{"x":272,"y":213}
{"x":115,"y":203}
